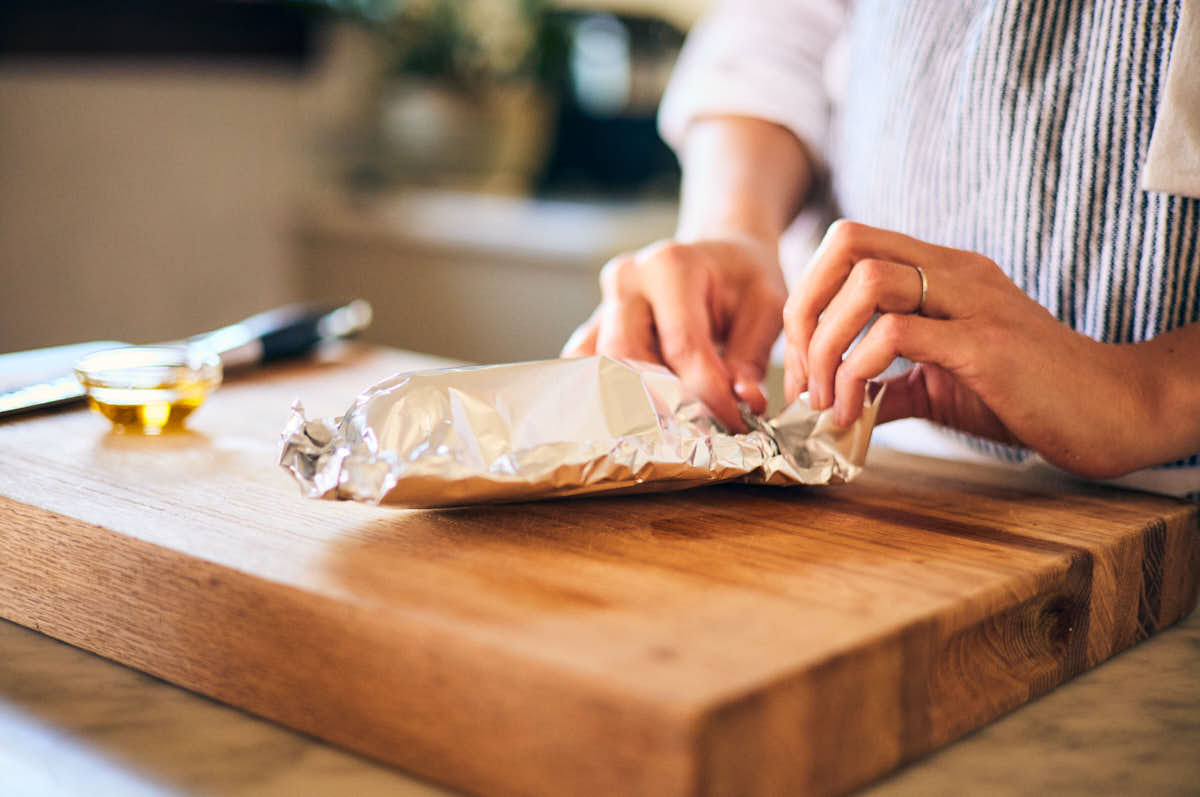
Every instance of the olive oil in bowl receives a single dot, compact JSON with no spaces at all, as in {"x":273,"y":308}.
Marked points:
{"x":148,"y":389}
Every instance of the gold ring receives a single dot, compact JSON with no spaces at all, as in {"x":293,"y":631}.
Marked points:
{"x":924,"y":290}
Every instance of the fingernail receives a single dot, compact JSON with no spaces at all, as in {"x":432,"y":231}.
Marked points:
{"x":750,"y":387}
{"x":816,"y":397}
{"x":839,"y":415}
{"x":744,"y":393}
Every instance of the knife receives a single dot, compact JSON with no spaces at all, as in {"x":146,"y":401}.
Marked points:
{"x":39,"y":379}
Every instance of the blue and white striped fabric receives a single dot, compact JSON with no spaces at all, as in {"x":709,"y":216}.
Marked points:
{"x":1018,"y":129}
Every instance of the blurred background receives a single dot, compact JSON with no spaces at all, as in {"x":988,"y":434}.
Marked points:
{"x":466,"y":165}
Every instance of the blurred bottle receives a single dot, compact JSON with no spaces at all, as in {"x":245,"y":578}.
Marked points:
{"x":604,"y":138}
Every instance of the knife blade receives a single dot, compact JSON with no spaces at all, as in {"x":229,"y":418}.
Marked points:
{"x":42,"y":378}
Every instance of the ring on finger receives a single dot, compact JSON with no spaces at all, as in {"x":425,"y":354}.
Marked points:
{"x":924,"y":290}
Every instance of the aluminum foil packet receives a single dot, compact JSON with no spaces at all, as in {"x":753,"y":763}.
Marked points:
{"x":554,"y":428}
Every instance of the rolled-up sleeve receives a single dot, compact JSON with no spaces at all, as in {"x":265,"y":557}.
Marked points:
{"x":759,"y":58}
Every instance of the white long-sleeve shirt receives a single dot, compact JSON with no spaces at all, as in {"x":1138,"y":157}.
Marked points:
{"x":765,"y":59}
{"x":784,"y":61}
{"x":1060,"y":139}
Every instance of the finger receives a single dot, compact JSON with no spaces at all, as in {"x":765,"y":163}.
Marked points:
{"x":845,"y":243}
{"x":795,"y":373}
{"x":582,"y":342}
{"x":626,"y":330}
{"x":679,"y":303}
{"x":918,"y":338}
{"x":873,"y":286}
{"x":755,"y":327}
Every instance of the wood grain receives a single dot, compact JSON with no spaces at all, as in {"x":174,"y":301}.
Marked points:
{"x":730,"y":640}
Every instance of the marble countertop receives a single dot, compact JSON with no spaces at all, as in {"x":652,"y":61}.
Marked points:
{"x":72,"y":723}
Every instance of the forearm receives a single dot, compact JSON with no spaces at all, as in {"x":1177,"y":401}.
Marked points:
{"x":742,"y":178}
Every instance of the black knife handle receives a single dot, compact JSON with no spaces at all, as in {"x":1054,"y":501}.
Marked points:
{"x":286,"y":331}
{"x":290,"y":340}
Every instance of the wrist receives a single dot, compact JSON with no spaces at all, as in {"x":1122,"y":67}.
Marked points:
{"x":762,"y":250}
{"x":728,"y":229}
{"x":758,"y":241}
{"x":1147,"y":422}
{"x":742,"y":178}
{"x":1166,"y":386}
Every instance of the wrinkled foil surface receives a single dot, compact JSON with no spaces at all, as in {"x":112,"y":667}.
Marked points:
{"x":553,"y":428}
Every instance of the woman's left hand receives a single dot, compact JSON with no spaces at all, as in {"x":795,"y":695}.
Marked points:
{"x":991,"y":360}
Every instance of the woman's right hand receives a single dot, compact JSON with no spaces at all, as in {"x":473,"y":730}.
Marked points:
{"x":709,"y":310}
{"x":709,"y":303}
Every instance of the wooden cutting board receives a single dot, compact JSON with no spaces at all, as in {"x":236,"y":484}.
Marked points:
{"x":729,"y":640}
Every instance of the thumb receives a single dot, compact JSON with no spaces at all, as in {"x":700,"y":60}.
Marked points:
{"x":930,"y":392}
{"x":904,"y":396}
{"x":582,"y":342}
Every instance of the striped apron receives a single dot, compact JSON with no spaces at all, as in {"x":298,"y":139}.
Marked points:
{"x":1018,"y":130}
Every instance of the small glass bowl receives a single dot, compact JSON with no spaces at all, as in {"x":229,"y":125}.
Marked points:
{"x":148,"y":389}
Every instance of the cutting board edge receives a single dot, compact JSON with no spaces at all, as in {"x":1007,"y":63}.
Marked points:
{"x":752,"y":713}
{"x":692,"y":744}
